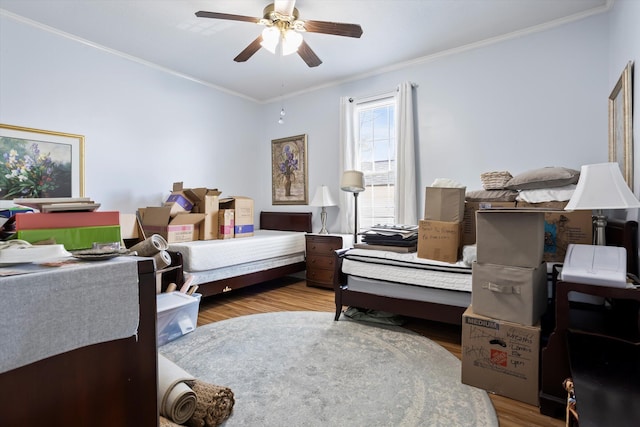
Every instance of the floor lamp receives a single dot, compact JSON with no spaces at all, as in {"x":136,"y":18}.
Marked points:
{"x":353,"y":182}
{"x":601,"y":186}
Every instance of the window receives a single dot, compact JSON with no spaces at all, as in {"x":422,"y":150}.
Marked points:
{"x":376,"y":158}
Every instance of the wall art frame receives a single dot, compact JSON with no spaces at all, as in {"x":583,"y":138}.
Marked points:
{"x":289,"y":173}
{"x":37,"y":163}
{"x":620,"y":124}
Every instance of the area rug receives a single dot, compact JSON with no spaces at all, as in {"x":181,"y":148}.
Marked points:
{"x":305,"y":369}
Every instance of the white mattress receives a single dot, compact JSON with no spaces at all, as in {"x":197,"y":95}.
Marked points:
{"x":203,"y":255}
{"x":407,"y":268}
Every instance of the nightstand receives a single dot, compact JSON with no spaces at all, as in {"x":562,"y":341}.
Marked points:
{"x":321,"y":258}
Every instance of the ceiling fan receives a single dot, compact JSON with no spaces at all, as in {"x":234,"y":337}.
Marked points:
{"x":283,"y":28}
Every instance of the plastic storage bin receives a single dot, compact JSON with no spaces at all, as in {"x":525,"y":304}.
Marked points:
{"x":177,"y":315}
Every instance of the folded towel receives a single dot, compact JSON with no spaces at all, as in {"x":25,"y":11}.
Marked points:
{"x":214,"y":404}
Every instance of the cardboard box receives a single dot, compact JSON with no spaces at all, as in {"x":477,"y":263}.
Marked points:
{"x":562,"y":228}
{"x":444,"y":204}
{"x":501,"y":357}
{"x":177,"y":315}
{"x":243,"y":214}
{"x":180,"y":200}
{"x":180,"y":228}
{"x":514,"y":294}
{"x":226,"y":221}
{"x":209,"y":204}
{"x":439,"y":240}
{"x":513,"y":237}
{"x":469,"y":221}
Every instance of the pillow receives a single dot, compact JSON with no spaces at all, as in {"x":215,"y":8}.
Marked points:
{"x":548,"y":177}
{"x":491,"y":196}
{"x":541,"y":195}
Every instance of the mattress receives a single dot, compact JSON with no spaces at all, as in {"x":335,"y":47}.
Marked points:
{"x":407,"y":268}
{"x":203,"y":255}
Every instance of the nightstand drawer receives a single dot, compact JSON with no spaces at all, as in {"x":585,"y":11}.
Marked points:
{"x":322,"y":276}
{"x":320,"y":262}
{"x":322,"y":248}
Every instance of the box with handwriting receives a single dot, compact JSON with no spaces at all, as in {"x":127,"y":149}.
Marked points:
{"x":501,"y":357}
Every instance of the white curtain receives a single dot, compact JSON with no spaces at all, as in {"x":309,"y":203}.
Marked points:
{"x":348,"y":161}
{"x":405,"y":189}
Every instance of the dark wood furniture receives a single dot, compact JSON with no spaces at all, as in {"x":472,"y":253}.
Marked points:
{"x":407,"y":307}
{"x":589,"y":326}
{"x":107,"y":384}
{"x":320,"y":257}
{"x":285,"y":221}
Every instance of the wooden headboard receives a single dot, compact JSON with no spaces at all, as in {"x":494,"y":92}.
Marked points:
{"x":286,"y":221}
{"x":625,"y":234}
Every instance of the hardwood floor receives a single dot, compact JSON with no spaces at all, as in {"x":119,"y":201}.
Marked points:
{"x":292,"y":294}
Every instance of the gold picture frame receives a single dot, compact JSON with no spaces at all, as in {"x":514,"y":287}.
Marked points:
{"x":289,"y":177}
{"x":620,"y":124}
{"x":37,"y":163}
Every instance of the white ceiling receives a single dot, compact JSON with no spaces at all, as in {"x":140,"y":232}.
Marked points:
{"x":167,"y":34}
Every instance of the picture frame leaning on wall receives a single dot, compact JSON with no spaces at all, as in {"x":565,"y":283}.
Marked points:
{"x":620,"y":124}
{"x":37,"y":163}
{"x":289,"y":174}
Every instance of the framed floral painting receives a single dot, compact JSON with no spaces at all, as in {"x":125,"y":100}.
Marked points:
{"x":39,"y":163}
{"x":289,"y":177}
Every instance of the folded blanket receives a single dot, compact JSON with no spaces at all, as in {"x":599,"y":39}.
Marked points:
{"x":214,"y":404}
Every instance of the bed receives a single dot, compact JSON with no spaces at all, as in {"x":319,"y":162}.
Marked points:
{"x":402,"y":283}
{"x":276,"y":249}
{"x":406,"y":285}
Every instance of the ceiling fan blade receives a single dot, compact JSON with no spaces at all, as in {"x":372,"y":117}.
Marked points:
{"x":335,"y":28}
{"x":217,"y":15}
{"x":248,"y":51}
{"x":284,"y":7}
{"x":308,"y":55}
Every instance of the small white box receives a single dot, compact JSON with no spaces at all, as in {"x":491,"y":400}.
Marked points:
{"x":177,"y":315}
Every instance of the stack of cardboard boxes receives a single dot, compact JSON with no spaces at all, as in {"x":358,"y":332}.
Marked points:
{"x":440,"y":232}
{"x":501,"y":328}
{"x":199,"y":214}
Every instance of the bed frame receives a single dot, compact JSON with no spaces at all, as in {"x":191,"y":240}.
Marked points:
{"x":285,"y":221}
{"x":618,"y":233}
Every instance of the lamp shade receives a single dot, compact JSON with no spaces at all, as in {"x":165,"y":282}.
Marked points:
{"x":322,"y":197}
{"x":352,"y":181}
{"x":601,"y":186}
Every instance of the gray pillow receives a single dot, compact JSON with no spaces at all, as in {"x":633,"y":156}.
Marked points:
{"x":491,"y":196}
{"x":548,"y":177}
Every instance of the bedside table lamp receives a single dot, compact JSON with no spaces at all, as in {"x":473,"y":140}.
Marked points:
{"x":323,"y":198}
{"x":353,"y":182}
{"x":601,"y":186}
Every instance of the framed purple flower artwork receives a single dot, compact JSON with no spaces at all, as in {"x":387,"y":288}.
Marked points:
{"x":289,"y":177}
{"x":37,"y":163}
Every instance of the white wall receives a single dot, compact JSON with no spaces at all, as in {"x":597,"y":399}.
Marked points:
{"x":524,"y":103}
{"x":143,"y":128}
{"x":516,"y":105}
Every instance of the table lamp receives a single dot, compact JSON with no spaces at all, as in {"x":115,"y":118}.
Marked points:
{"x":323,"y":198}
{"x":353,"y":182}
{"x":601,"y":186}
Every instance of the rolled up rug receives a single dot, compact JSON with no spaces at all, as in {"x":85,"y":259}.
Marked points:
{"x":214,"y":404}
{"x":162,"y":259}
{"x":176,"y":400}
{"x":150,"y":246}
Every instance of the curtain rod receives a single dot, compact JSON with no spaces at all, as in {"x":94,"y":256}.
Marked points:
{"x":377,"y":97}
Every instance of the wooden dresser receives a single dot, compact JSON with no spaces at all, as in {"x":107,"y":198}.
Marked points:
{"x":321,"y":259}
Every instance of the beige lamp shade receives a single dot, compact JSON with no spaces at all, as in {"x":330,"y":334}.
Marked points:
{"x":322,"y":197}
{"x":601,"y":186}
{"x":352,"y":181}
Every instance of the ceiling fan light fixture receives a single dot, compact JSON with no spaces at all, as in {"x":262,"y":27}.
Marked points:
{"x":270,"y":39}
{"x":291,"y":40}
